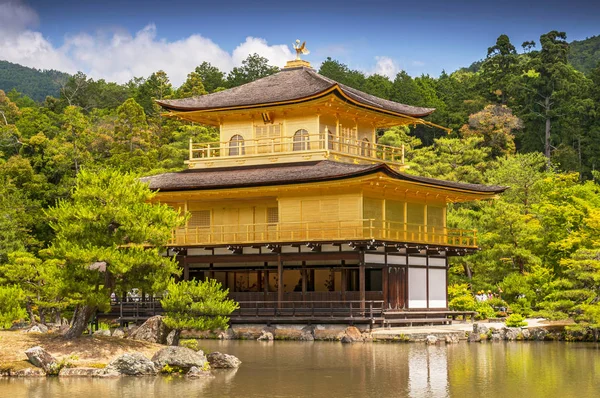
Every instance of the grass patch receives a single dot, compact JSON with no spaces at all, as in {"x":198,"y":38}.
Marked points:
{"x":14,"y":366}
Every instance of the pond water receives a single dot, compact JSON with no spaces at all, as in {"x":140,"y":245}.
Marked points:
{"x":323,"y":369}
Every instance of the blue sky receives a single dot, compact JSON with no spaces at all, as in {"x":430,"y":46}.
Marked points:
{"x":118,"y":39}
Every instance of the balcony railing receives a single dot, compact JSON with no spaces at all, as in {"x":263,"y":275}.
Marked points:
{"x":366,"y":229}
{"x":358,"y":149}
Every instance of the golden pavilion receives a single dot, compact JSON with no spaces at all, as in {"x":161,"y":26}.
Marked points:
{"x":298,"y":208}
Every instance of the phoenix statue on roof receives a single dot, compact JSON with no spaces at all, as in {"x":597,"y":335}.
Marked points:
{"x":300,"y":49}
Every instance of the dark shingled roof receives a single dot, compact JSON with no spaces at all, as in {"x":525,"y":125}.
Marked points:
{"x":292,"y":84}
{"x":291,"y":173}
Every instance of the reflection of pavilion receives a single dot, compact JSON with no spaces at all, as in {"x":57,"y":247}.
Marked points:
{"x":428,"y":372}
{"x":298,"y":203}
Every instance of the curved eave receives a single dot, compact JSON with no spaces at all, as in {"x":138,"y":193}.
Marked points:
{"x":335,"y":89}
{"x":474,"y":190}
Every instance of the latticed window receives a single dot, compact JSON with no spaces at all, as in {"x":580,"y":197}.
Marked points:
{"x":199,"y":219}
{"x":236,"y":145}
{"x":268,"y":131}
{"x":272,"y":215}
{"x":267,"y":137}
{"x":301,"y":142}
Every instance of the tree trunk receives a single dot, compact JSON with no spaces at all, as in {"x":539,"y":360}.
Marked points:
{"x":547,"y":150}
{"x":176,"y":337}
{"x":29,"y":309}
{"x":42,"y":316}
{"x":468,"y":271}
{"x":81,"y":317}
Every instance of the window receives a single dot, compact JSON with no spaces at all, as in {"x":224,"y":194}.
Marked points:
{"x":268,"y":138}
{"x":364,"y":147}
{"x":199,"y":219}
{"x":272,"y":215}
{"x":301,"y":142}
{"x":236,"y":145}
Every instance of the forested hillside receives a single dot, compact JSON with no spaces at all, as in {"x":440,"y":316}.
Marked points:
{"x":528,"y":120}
{"x":34,"y":83}
{"x":584,"y":55}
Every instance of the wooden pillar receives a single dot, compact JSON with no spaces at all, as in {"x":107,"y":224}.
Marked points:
{"x":384,"y":285}
{"x":259,"y":281}
{"x":212,"y":270}
{"x":266,"y":281}
{"x":279,"y":281}
{"x":186,"y":271}
{"x":344,"y":280}
{"x":361,"y":280}
{"x":304,"y":280}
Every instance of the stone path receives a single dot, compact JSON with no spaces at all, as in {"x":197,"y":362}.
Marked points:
{"x":420,"y":333}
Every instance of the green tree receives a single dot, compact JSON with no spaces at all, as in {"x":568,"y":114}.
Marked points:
{"x":109,"y":238}
{"x":211,"y":77}
{"x":11,"y":309}
{"x":500,"y":68}
{"x":191,"y":87}
{"x":200,"y":305}
{"x":131,"y":127}
{"x":452,"y":159}
{"x":253,"y":68}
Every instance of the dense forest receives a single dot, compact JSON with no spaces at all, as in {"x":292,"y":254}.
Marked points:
{"x":525,"y":119}
{"x":36,"y":84}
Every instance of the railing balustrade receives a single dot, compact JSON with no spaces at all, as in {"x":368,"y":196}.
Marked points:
{"x":311,"y":142}
{"x":364,"y":229}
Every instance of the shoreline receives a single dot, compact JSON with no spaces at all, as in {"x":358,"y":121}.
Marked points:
{"x":95,"y":352}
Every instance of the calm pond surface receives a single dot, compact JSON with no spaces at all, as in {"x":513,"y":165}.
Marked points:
{"x":322,"y":369}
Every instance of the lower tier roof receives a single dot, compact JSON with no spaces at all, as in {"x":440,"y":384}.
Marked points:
{"x":292,"y":173}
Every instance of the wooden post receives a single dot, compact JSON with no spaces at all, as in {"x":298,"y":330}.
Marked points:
{"x":279,"y":281}
{"x":344,"y":280}
{"x":384,"y":284}
{"x":361,"y":281}
{"x":304,"y":281}
{"x":266,"y":281}
{"x":212,"y":271}
{"x":186,"y":271}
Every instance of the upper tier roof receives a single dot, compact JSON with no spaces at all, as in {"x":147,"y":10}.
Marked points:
{"x":293,"y":173}
{"x":288,"y":86}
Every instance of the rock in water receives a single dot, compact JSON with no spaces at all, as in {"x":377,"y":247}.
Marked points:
{"x":431,"y":340}
{"x":28,"y":372}
{"x":452,"y":339}
{"x":82,"y":372}
{"x":181,"y":357}
{"x":42,"y":359}
{"x":351,"y":335}
{"x":153,"y":330}
{"x":265,"y":336}
{"x":219,"y":360}
{"x":195,"y":373}
{"x":132,"y":364}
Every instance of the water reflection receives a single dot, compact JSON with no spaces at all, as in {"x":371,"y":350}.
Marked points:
{"x":290,"y":369}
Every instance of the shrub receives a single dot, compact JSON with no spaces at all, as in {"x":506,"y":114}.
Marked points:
{"x":484,"y":311}
{"x":461,"y":298}
{"x":190,"y":343}
{"x":515,"y":321}
{"x":521,"y":306}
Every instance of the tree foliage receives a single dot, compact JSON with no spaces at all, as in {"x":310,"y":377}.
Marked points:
{"x":199,"y":305}
{"x":101,"y":236}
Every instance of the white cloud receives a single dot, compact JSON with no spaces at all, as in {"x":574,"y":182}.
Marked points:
{"x":386,"y":66}
{"x":117,"y":55}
